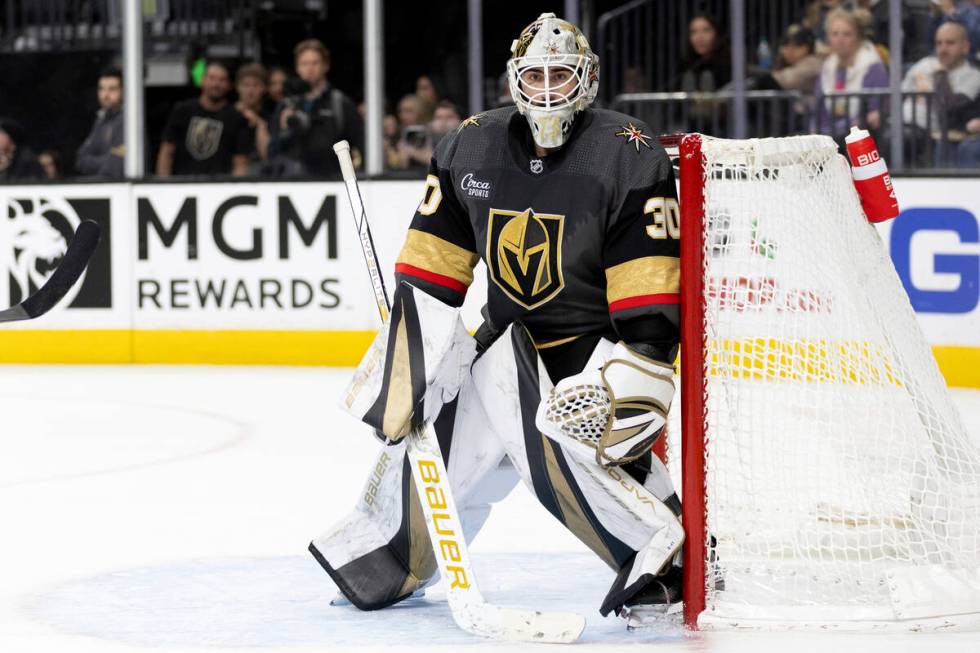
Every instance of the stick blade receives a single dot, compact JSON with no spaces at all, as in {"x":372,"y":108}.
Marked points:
{"x":516,"y":625}
{"x":76,"y":258}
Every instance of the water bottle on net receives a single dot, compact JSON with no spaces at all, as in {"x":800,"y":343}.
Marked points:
{"x":871,"y":178}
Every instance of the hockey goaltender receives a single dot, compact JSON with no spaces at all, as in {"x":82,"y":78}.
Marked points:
{"x":570,"y":379}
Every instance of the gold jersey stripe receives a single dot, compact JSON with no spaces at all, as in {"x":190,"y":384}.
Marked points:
{"x":650,"y":275}
{"x":431,"y":253}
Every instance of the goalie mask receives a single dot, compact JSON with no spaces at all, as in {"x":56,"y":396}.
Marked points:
{"x":553,"y":75}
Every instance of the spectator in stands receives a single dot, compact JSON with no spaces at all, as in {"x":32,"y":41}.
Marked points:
{"x":206,"y":135}
{"x":797,"y":69}
{"x":312,"y":118}
{"x":250,"y":83}
{"x":410,"y":111}
{"x":853,"y":65}
{"x":954,"y":83}
{"x":966,"y":12}
{"x":797,"y":66}
{"x":878,"y":13}
{"x":815,"y":17}
{"x":50,"y":161}
{"x":949,"y":74}
{"x":391,"y":134}
{"x":447,"y":117}
{"x":415,"y":145}
{"x":865,"y":19}
{"x":101,"y":155}
{"x":276,"y":84}
{"x":968,"y":152}
{"x":17,"y":163}
{"x":428,"y":96}
{"x":707,"y":65}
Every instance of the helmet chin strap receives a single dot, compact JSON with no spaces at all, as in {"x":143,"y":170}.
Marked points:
{"x":548,"y":128}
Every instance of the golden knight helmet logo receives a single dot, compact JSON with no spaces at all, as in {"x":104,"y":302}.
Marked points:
{"x":524,"y":252}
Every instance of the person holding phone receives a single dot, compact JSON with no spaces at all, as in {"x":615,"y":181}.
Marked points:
{"x":313,"y":115}
{"x":414,"y":147}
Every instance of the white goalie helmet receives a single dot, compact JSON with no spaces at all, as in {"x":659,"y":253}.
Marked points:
{"x":553,"y":74}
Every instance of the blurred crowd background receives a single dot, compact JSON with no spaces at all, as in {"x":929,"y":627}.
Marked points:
{"x":262,"y":88}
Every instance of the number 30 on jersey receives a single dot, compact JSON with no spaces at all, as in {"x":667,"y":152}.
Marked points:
{"x":432,"y":196}
{"x":666,"y":218}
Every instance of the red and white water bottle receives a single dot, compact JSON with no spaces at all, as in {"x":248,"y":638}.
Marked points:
{"x":871,"y":178}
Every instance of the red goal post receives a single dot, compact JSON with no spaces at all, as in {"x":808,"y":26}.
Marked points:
{"x":691,"y":194}
{"x":692,"y":381}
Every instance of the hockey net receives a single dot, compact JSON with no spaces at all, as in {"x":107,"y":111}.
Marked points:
{"x":827,"y":478}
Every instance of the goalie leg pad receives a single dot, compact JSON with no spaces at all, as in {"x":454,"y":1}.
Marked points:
{"x":380,"y":553}
{"x":417,"y":362}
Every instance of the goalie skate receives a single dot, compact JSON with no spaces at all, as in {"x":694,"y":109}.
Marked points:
{"x":650,"y":609}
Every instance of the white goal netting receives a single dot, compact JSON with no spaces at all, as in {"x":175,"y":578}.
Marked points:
{"x":841,"y":486}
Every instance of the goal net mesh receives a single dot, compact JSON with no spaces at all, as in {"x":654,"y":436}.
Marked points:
{"x":840,"y":483}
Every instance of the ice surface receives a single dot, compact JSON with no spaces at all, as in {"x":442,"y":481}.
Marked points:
{"x":169,"y":509}
{"x":279,"y":602}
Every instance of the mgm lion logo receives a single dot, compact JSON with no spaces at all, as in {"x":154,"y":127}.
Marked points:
{"x":524,"y":255}
{"x":34,"y":236}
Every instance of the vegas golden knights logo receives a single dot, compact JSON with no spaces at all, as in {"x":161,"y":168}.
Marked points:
{"x":203,"y":137}
{"x":524,"y":255}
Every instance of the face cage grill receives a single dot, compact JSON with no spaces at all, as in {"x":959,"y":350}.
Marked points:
{"x":541,"y":97}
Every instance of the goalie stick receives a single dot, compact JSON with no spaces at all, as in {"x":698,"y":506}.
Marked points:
{"x":470,"y":610}
{"x":76,"y":257}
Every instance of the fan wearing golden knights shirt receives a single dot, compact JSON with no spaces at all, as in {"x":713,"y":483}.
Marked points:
{"x":574,"y":212}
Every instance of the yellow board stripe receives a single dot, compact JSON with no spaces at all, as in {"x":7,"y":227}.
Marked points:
{"x":960,"y":365}
{"x":88,"y":346}
{"x":649,"y":275}
{"x":335,"y":348}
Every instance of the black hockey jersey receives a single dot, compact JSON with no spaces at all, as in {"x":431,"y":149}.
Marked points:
{"x":577,"y":243}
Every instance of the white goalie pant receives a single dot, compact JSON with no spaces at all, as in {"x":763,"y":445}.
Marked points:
{"x":380,"y":553}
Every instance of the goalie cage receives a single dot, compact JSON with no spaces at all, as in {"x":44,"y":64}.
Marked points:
{"x":828,"y":481}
